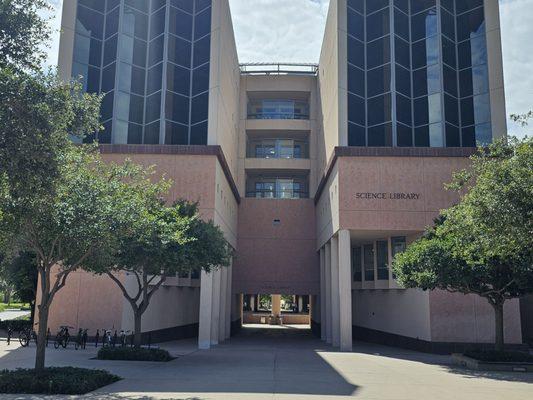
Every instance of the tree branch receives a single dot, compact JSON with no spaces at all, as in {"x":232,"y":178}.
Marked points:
{"x":124,"y":291}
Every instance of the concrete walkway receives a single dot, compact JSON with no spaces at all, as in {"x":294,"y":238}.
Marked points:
{"x":12,"y":314}
{"x":285,"y":364}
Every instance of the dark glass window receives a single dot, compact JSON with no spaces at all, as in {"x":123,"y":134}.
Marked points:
{"x":153,"y":107}
{"x":356,"y":80}
{"x":176,"y":133}
{"x":451,"y":109}
{"x":426,"y":81}
{"x":90,"y":76}
{"x":202,"y":51}
{"x":356,"y":135}
{"x":452,"y":136}
{"x":450,"y":80}
{"x":135,"y":23}
{"x":130,"y":107}
{"x":378,"y":24}
{"x":401,"y":24}
{"x":199,"y":133}
{"x":111,"y":23}
{"x":186,"y":5}
{"x":135,"y":134}
{"x":356,"y":25}
{"x":111,"y":4}
{"x":133,"y":50}
{"x":202,"y":24}
{"x":482,"y":109}
{"x":97,"y":5}
{"x":199,"y":108}
{"x":179,"y":51}
{"x":201,"y":4}
{"x":138,"y":4}
{"x":424,"y":24}
{"x":470,"y":24}
{"x":483,"y":134}
{"x":448,"y":24}
{"x":356,"y":109}
{"x":87,"y":50}
{"x":104,"y":136}
{"x":402,"y":5}
{"x":89,"y":22}
{"x":131,"y":79}
{"x":425,"y":52}
{"x":474,"y":80}
{"x":106,"y":108}
{"x":157,"y":23}
{"x":157,"y":4}
{"x":154,"y":80}
{"x":200,"y":79}
{"x":379,"y":109}
{"x":420,"y":5}
{"x":404,"y":135}
{"x":177,"y":108}
{"x":178,"y":79}
{"x":469,"y":136}
{"x":421,"y":111}
{"x":374,"y":5}
{"x":356,"y":52}
{"x":465,"y":5}
{"x":403,"y":109}
{"x":472,"y":52}
{"x":422,"y":136}
{"x":378,"y":52}
{"x":402,"y":51}
{"x":448,"y":5}
{"x":110,"y":50}
{"x":180,"y":23}
{"x":448,"y":53}
{"x":380,"y":135}
{"x":155,"y":50}
{"x":403,"y":81}
{"x":368,"y":261}
{"x":382,"y":259}
{"x":358,"y":5}
{"x":357,"y":261}
{"x":108,"y":78}
{"x":151,"y":133}
{"x":378,"y":80}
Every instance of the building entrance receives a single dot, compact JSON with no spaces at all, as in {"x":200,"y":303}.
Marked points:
{"x":274,"y":310}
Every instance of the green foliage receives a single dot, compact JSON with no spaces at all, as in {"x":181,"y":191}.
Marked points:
{"x":133,"y":354}
{"x":56,"y":380}
{"x":21,"y":274}
{"x":23,"y":32}
{"x":15,"y":324}
{"x":499,"y":356}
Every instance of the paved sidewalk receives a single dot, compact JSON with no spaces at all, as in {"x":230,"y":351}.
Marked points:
{"x":286,"y":364}
{"x":12,"y":314}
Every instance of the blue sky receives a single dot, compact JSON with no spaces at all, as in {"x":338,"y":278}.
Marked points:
{"x":292,"y":30}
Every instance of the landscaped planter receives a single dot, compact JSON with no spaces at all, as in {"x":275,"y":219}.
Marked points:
{"x":472,"y":363}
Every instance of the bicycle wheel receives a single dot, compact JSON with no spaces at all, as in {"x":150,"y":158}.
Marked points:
{"x":65,"y":342}
{"x":24,"y":339}
{"x":57,"y":343}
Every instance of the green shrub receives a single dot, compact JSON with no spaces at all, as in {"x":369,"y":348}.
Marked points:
{"x":500,"y":356}
{"x":64,"y":380}
{"x":133,"y":354}
{"x":15,"y":324}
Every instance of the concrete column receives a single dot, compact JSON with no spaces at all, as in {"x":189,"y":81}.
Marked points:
{"x":229,"y":298}
{"x":322,"y":297}
{"x":327,"y":262}
{"x":252,"y":302}
{"x":215,"y":309}
{"x":276,"y":305}
{"x":222,"y":304}
{"x":335,"y":299}
{"x":300,"y":304}
{"x":206,"y":299}
{"x":345,"y":290}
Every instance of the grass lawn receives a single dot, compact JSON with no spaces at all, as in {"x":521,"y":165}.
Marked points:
{"x":18,"y":306}
{"x":64,"y":380}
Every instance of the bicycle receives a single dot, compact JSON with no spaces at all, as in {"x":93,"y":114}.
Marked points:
{"x":106,"y":338}
{"x":26,"y":335}
{"x":62,"y":337}
{"x":81,"y":339}
{"x":124,"y":337}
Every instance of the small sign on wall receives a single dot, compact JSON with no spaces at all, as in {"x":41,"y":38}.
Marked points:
{"x":387,"y":196}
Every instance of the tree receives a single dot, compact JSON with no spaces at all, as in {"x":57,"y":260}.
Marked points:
{"x":68,"y":228}
{"x":159,"y":242}
{"x":23,"y":32}
{"x":21,"y":274}
{"x":484,"y":244}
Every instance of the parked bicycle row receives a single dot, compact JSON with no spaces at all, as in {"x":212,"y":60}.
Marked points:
{"x":63,"y":337}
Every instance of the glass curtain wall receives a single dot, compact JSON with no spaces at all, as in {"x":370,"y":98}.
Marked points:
{"x":150,"y":58}
{"x":417,"y":73}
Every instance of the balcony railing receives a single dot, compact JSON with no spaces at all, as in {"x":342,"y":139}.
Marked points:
{"x":278,"y":69}
{"x":278,"y":109}
{"x":277,"y":148}
{"x":279,"y":194}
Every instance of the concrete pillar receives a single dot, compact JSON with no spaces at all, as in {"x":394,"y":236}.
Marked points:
{"x":229,"y":298}
{"x":252,"y":302}
{"x":345,"y":290}
{"x":215,"y":309}
{"x":222,"y":304}
{"x":335,"y":299}
{"x":206,"y":299}
{"x":276,"y":305}
{"x":322,"y":297}
{"x":300,"y":304}
{"x":327,"y":262}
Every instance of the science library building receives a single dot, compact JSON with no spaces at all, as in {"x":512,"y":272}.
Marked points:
{"x":317,"y":174}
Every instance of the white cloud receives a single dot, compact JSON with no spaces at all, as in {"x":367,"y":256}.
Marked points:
{"x":292,"y":31}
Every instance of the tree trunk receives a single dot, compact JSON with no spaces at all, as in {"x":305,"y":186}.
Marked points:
{"x":137,"y":338}
{"x":498,"y":323}
{"x":41,"y":336}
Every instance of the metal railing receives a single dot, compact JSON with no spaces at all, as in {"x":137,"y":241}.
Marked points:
{"x":279,"y":68}
{"x":278,"y":194}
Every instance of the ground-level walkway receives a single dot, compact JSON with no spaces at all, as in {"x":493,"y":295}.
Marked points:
{"x":286,"y":364}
